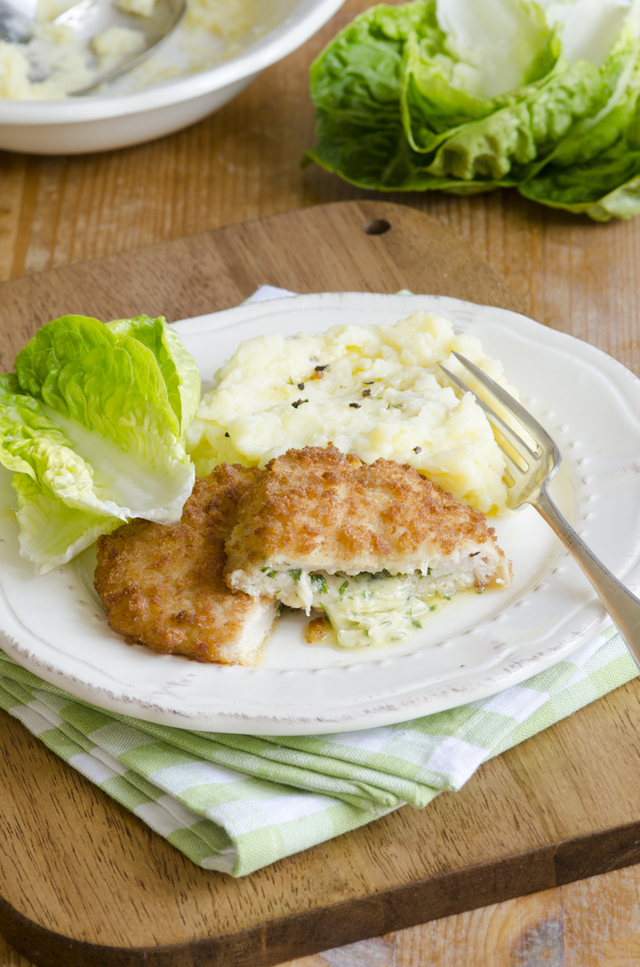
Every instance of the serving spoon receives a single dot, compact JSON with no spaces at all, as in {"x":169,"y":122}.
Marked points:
{"x":88,"y":18}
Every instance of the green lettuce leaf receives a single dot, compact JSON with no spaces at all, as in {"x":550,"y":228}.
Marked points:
{"x":603,"y":187}
{"x":594,"y":170}
{"x":51,"y":533}
{"x":501,"y":146}
{"x":55,"y":486}
{"x":178,"y":367}
{"x":493,"y":55}
{"x":88,"y":427}
{"x":590,"y":29}
{"x":498,"y":45}
{"x":355,"y":86}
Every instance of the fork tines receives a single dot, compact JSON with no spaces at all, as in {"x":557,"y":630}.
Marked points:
{"x":511,"y":406}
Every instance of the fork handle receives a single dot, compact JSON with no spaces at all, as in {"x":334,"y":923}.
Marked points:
{"x":622,"y":605}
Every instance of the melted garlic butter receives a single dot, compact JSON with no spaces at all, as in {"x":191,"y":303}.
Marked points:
{"x":366,"y":610}
{"x":369,"y":610}
{"x":211,"y":31}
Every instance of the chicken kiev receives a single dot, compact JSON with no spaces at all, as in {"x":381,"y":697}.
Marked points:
{"x":316,"y":524}
{"x":163,"y":587}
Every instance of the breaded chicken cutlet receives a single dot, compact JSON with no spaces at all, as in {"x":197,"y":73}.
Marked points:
{"x":163,"y":587}
{"x":315,"y":513}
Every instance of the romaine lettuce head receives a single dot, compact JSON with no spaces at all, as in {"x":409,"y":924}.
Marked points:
{"x":471,"y":95}
{"x":393,"y":85}
{"x":88,"y":425}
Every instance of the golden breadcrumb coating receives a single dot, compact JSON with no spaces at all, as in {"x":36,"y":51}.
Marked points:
{"x":162,"y":585}
{"x":317,"y":509}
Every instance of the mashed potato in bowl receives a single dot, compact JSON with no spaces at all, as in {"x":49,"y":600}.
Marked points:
{"x":212,"y":31}
{"x":375,"y":391}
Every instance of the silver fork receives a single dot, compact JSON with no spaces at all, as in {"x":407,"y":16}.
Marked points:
{"x":530,"y":486}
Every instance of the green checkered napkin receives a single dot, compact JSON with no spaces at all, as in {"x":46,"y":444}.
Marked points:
{"x":237,"y":803}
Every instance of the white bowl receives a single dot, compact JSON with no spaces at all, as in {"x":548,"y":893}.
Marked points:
{"x":78,"y":125}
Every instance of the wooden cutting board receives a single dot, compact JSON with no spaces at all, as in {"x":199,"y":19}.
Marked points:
{"x":83,"y":882}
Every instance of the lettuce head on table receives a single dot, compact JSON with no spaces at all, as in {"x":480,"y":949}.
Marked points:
{"x":92,"y":425}
{"x":467,"y":96}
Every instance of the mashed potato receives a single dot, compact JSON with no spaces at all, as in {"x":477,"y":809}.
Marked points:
{"x":374,"y":391}
{"x":113,"y":44}
{"x":55,"y":62}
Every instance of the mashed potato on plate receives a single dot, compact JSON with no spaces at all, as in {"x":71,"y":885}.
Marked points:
{"x":375,"y":391}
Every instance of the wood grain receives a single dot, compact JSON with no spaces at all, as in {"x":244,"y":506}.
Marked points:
{"x":216,"y":270}
{"x":591,"y":923}
{"x":553,"y":810}
{"x":242,"y":163}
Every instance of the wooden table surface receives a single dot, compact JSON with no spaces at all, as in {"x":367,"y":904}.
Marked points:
{"x":242,"y":163}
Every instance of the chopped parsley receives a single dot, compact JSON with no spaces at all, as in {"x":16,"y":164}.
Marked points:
{"x":319,"y":583}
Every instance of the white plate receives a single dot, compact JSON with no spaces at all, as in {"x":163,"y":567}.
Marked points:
{"x":476,"y":646}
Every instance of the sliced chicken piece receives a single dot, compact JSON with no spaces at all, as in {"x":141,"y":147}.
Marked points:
{"x":316,"y":513}
{"x":163,"y":587}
